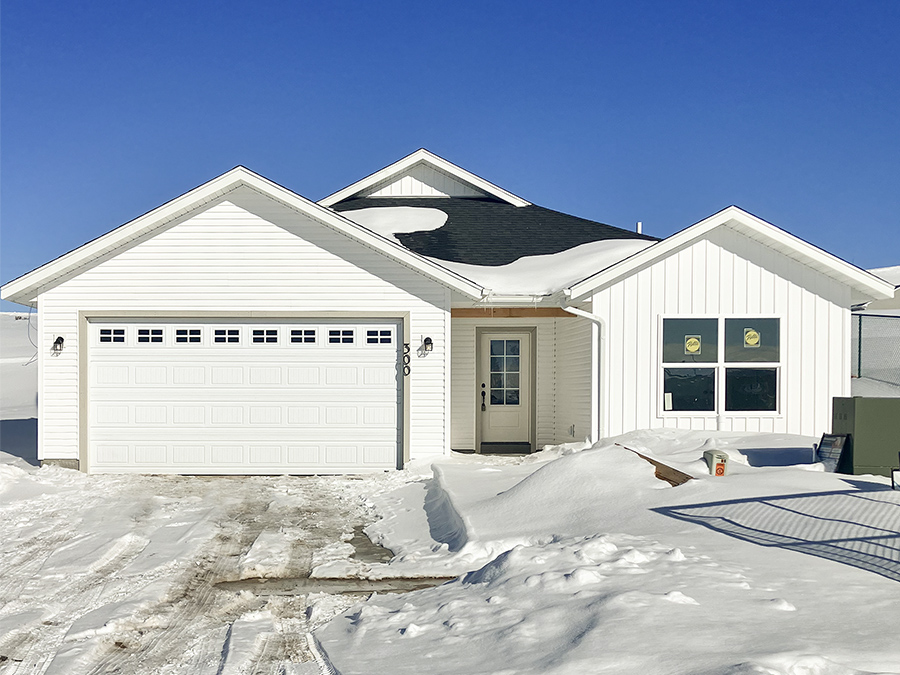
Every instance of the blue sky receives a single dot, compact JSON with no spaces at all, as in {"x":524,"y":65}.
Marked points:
{"x":658,"y":111}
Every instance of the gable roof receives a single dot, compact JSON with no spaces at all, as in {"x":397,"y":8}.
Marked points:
{"x":419,"y":158}
{"x":26,"y":287}
{"x":489,"y":231}
{"x":866,"y":286}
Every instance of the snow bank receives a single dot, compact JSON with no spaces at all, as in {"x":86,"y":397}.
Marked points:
{"x":579,"y":560}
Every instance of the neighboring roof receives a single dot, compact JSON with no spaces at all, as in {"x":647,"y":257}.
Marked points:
{"x":421,"y":158}
{"x":865,"y":286}
{"x":889,"y":274}
{"x":25,"y":288}
{"x":489,"y":231}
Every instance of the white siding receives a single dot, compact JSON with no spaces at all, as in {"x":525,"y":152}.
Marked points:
{"x":249,"y":254}
{"x":573,"y":379}
{"x":726,"y":274}
{"x":422,"y":181}
{"x":562,"y":380}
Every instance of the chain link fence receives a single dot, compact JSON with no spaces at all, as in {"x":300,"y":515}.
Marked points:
{"x":876,"y":347}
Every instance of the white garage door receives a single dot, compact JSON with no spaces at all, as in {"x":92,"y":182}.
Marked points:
{"x":244,"y":397}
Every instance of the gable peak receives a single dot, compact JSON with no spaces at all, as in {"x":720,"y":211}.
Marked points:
{"x":423,"y":174}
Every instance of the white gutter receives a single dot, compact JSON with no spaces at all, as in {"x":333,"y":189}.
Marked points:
{"x":598,"y":368}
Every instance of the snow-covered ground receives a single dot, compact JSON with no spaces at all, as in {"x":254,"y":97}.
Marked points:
{"x":119,"y":574}
{"x":584,"y":562}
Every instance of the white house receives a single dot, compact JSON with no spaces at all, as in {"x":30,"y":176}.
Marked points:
{"x":242,"y":328}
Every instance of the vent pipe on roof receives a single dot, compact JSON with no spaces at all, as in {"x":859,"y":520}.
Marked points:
{"x":639,"y":227}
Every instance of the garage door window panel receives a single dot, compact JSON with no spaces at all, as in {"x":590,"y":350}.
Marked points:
{"x":229,"y":336}
{"x":303,"y":336}
{"x":112,"y":335}
{"x":193,"y":336}
{"x":341,"y":336}
{"x":379,"y":337}
{"x":150,"y":336}
{"x":267,"y":336}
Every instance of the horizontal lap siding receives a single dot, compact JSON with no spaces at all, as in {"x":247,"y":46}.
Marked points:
{"x":232,"y":259}
{"x":727,"y":274}
{"x":573,"y":379}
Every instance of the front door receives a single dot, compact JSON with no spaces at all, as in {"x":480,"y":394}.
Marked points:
{"x":504,"y":388}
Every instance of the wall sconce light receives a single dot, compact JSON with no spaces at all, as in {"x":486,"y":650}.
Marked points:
{"x":58,"y":345}
{"x":427,"y":345}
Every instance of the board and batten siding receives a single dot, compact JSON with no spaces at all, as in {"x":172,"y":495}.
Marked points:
{"x":247,"y":256}
{"x":726,"y":274}
{"x":562,"y":378}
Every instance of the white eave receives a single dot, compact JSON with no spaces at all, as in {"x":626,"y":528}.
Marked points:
{"x":422,"y":156}
{"x":866,"y":286}
{"x":25,"y":288}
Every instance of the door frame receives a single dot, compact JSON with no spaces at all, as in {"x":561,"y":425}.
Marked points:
{"x":476,"y":386}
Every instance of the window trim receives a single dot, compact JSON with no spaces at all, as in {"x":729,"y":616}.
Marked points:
{"x":719,"y":366}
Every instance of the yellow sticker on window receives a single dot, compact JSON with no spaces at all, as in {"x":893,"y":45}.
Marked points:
{"x":692,"y":344}
{"x":751,"y":338}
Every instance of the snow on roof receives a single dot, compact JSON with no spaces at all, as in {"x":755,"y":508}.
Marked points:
{"x":528,"y":275}
{"x":548,"y":274}
{"x":398,"y":220}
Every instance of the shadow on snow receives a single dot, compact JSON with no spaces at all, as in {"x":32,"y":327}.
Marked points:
{"x":19,"y":439}
{"x":859,"y":527}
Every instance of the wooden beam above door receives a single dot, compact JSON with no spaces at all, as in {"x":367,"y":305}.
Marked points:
{"x":507,"y":312}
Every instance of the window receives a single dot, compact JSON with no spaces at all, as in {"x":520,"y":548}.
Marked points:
{"x":112,"y":335}
{"x":227,"y":335}
{"x":265,"y":335}
{"x":190,"y":335}
{"x":505,"y":370}
{"x":739,"y":356}
{"x":303,"y":335}
{"x":378,"y":337}
{"x":150,"y":335}
{"x":340,"y":336}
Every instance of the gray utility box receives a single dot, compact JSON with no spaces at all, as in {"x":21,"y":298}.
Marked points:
{"x":874,"y":428}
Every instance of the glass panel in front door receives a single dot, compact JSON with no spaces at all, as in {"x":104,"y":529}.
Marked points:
{"x":505,"y":372}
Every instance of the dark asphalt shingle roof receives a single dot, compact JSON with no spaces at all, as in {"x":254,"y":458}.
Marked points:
{"x":487,"y":231}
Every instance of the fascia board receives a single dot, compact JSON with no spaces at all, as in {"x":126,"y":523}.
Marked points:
{"x":749,"y":225}
{"x":25,"y":288}
{"x":423,"y":155}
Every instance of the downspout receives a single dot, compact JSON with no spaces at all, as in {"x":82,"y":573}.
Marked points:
{"x":602,"y":379}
